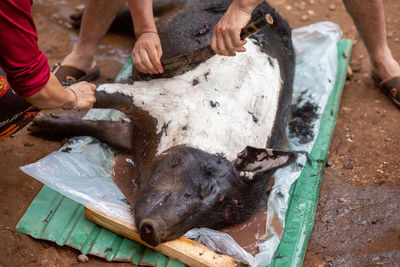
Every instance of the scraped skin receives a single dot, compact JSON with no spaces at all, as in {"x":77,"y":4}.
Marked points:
{"x":195,"y":108}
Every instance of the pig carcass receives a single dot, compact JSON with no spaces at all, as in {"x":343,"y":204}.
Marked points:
{"x":206,"y":141}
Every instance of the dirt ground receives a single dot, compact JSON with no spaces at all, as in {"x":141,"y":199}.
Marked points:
{"x":358,"y":219}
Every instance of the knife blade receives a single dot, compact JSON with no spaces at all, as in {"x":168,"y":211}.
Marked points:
{"x":182,"y":63}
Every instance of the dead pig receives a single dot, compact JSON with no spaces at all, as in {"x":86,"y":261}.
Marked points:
{"x":202,"y":165}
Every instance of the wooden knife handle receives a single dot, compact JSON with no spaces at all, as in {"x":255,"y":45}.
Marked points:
{"x":256,"y":26}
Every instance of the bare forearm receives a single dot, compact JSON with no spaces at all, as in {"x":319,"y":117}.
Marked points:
{"x":142,"y":16}
{"x":52,"y":96}
{"x":147,"y":51}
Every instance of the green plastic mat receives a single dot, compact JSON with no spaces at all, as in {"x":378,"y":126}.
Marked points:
{"x":51,"y":216}
{"x":304,"y":192}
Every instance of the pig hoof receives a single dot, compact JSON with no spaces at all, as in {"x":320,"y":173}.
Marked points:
{"x":36,"y":125}
{"x":45,"y":125}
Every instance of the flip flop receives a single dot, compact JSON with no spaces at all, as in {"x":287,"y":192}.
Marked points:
{"x":68,"y":74}
{"x":390,"y":87}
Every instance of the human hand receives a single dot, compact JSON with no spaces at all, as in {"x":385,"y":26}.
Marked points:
{"x":226,"y":36}
{"x":83,"y":95}
{"x":147,"y":53}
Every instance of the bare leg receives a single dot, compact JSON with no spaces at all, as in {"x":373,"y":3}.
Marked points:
{"x":97,"y":18}
{"x":369,"y":19}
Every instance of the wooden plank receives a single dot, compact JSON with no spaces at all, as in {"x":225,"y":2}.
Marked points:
{"x":182,"y":249}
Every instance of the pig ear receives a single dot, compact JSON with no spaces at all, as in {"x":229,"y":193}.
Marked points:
{"x":253,"y":163}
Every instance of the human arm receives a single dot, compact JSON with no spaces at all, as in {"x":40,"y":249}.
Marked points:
{"x":147,"y":51}
{"x":226,"y":35}
{"x":26,"y":66}
{"x":53,"y":95}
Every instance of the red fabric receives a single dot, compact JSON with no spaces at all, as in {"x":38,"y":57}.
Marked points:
{"x":26,"y":66}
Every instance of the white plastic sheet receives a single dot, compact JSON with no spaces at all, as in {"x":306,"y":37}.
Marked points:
{"x":84,"y":172}
{"x":105,"y":114}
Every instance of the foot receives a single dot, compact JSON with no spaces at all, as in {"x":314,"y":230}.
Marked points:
{"x":386,"y":74}
{"x":387,"y":79}
{"x":80,"y":60}
{"x":385,"y":68}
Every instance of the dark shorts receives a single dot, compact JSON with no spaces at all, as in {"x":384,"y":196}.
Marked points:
{"x":15,"y":111}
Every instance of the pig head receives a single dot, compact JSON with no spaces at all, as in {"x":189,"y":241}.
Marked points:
{"x":192,"y":188}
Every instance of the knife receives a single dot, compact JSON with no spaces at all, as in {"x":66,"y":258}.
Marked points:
{"x":182,"y":63}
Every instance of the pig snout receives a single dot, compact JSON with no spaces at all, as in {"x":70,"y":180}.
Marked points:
{"x":149,"y":232}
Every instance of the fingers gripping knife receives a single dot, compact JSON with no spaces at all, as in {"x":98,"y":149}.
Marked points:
{"x":182,"y":63}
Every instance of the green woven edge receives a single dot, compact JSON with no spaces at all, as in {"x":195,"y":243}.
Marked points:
{"x":305,"y":191}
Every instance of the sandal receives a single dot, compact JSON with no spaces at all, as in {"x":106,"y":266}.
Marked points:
{"x":68,"y":74}
{"x":390,"y":87}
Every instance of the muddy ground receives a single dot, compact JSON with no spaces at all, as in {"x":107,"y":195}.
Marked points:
{"x":358,"y":219}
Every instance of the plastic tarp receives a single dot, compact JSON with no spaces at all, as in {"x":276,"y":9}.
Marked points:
{"x":82,"y":169}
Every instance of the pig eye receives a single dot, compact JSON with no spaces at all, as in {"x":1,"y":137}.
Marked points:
{"x":176,"y":163}
{"x":173,"y":165}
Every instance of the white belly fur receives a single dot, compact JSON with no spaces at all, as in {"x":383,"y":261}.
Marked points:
{"x":241,"y":84}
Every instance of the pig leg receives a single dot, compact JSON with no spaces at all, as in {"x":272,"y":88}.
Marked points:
{"x":116,"y":134}
{"x":137,"y":134}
